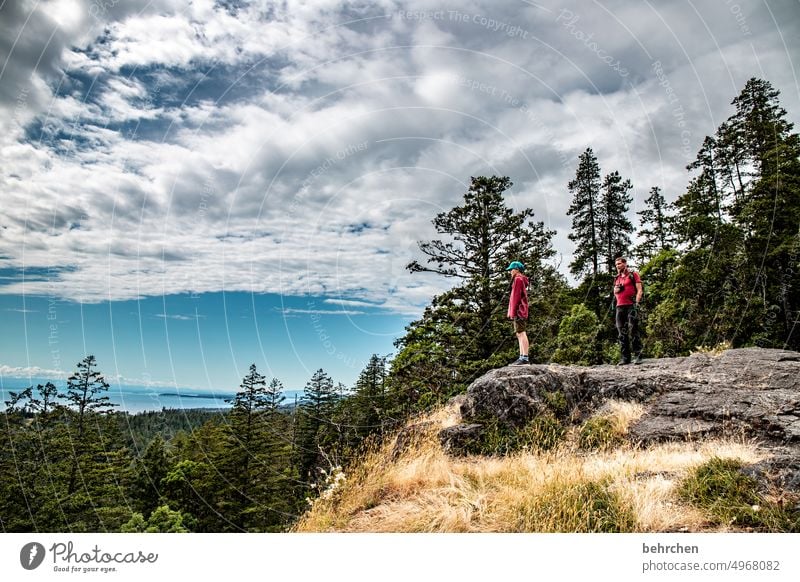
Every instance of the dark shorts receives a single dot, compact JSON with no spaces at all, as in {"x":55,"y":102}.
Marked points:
{"x":519,"y":325}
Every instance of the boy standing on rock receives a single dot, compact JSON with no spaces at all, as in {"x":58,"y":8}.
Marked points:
{"x":518,"y":308}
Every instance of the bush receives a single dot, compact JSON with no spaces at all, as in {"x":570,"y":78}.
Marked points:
{"x":598,"y":433}
{"x":543,"y":433}
{"x":731,"y":498}
{"x":556,"y":402}
{"x":577,"y":335}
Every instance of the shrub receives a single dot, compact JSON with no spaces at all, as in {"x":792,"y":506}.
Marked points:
{"x":598,"y":433}
{"x":556,"y":402}
{"x":543,"y":433}
{"x":731,"y":498}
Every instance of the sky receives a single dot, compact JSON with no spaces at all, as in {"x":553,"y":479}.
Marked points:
{"x":188,"y":188}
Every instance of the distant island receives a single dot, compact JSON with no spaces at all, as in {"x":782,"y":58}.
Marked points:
{"x":208,"y":396}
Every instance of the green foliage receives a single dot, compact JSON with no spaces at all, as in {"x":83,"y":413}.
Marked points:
{"x":149,"y":471}
{"x":140,"y":429}
{"x":614,"y":227}
{"x":557,"y":402}
{"x":577,"y":338}
{"x":543,"y":433}
{"x":598,"y":433}
{"x":732,"y":498}
{"x":654,"y":233}
{"x":162,"y":520}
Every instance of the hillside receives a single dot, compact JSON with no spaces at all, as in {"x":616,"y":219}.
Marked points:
{"x":570,"y":456}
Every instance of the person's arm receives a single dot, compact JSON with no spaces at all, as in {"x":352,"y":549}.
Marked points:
{"x":516,"y":296}
{"x":639,"y":289}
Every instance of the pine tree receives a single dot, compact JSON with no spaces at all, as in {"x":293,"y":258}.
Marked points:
{"x":654,"y":232}
{"x":150,"y":470}
{"x":365,"y":412}
{"x":614,"y":227}
{"x":254,"y":463}
{"x":84,"y":389}
{"x":585,"y":212}
{"x":465,"y":331}
{"x":768,"y":213}
{"x":314,"y":425}
{"x":486,"y":236}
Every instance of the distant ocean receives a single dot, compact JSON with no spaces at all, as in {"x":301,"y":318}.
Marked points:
{"x":133,"y":398}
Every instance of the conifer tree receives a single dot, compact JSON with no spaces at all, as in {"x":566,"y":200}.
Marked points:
{"x":614,"y":226}
{"x":150,"y":470}
{"x":86,"y":390}
{"x":465,"y":331}
{"x":654,"y":231}
{"x":314,"y":424}
{"x":585,"y":212}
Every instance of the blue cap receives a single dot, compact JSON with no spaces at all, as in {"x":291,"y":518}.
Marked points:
{"x":516,"y":265}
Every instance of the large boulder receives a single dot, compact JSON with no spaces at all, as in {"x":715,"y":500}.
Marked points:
{"x":753,"y":391}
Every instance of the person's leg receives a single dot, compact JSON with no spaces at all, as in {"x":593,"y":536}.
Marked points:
{"x":523,"y":344}
{"x":636,"y":340}
{"x":522,"y":340}
{"x":622,"y":332}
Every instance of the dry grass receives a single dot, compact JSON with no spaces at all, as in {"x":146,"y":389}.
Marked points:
{"x":425,"y":490}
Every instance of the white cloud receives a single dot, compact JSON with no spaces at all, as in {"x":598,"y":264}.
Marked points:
{"x":305,"y":148}
{"x":32,"y":372}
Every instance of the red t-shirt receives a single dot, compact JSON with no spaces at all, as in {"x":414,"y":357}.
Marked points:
{"x":628,"y":294}
{"x":518,"y":302}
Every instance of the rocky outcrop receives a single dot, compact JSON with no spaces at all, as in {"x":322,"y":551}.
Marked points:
{"x":751,"y":391}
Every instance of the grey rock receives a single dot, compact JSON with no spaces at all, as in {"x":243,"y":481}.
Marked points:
{"x":750,"y":391}
{"x":458,"y":439}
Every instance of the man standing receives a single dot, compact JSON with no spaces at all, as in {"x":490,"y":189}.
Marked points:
{"x":628,"y":293}
{"x":518,"y":308}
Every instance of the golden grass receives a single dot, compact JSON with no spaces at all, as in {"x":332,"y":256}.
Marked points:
{"x":425,"y":490}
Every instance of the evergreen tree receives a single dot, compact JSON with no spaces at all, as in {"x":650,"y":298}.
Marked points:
{"x":654,"y":232}
{"x":149,"y":471}
{"x":86,"y":392}
{"x":314,"y":425}
{"x":486,"y":236}
{"x":768,"y":213}
{"x":274,"y":396}
{"x":614,"y":227}
{"x":585,"y":212}
{"x":465,"y":331}
{"x":254,"y":462}
{"x":365,"y":412}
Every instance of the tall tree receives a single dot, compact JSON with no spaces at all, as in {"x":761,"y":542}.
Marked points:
{"x":654,"y":232}
{"x":585,"y":212}
{"x":149,"y":472}
{"x":615,"y":227}
{"x":769,"y":213}
{"x":86,"y":390}
{"x":250,"y":463}
{"x":315,"y":432}
{"x":465,"y":330}
{"x":485,"y":235}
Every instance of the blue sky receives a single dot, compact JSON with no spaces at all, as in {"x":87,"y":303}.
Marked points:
{"x":197,"y":186}
{"x":205,"y":341}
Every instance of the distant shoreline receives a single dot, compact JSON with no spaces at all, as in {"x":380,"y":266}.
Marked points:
{"x":208,"y":396}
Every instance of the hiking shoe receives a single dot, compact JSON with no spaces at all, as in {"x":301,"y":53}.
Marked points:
{"x":638,"y":359}
{"x":520,"y":362}
{"x":623,"y":362}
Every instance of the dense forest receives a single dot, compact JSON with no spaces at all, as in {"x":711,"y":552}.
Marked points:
{"x":720,"y":264}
